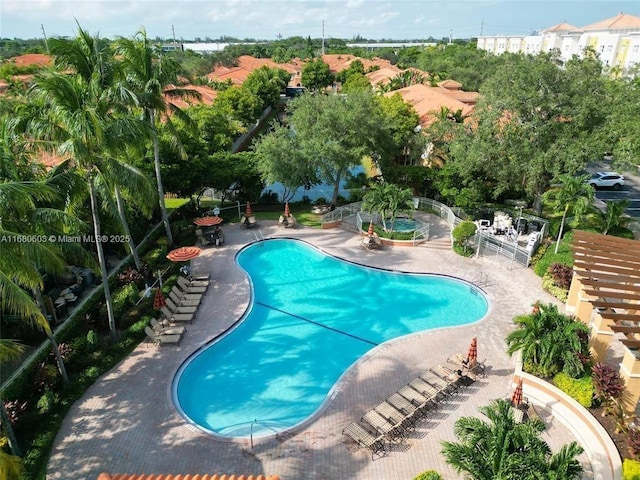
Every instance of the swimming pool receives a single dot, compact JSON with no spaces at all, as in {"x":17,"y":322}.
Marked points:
{"x":311,"y":317}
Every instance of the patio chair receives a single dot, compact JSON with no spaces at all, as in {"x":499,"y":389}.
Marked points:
{"x":159,"y":329}
{"x":186,"y":296}
{"x":405,"y":406}
{"x":176,"y":309}
{"x":451,"y":376}
{"x":420,"y":401}
{"x":162,"y":339}
{"x":383,"y":425}
{"x":518,"y":415}
{"x":390,"y":412}
{"x":184,"y":282}
{"x":176,"y":317}
{"x":442,"y":386}
{"x":186,"y":286}
{"x":183,"y":302}
{"x":365,"y":439}
{"x":426,"y":390}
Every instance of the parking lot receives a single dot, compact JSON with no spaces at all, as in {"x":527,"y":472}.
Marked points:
{"x":630,"y":191}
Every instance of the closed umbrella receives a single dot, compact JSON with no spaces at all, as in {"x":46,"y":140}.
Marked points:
{"x":516,"y":398}
{"x":370,"y":232}
{"x":248,"y":212}
{"x":287,"y":212}
{"x":158,"y":300}
{"x":208,"y":221}
{"x":472,"y":356}
{"x":183,"y":254}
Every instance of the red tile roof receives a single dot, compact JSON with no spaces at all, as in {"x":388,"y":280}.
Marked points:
{"x":246,"y":65}
{"x":561,"y":27}
{"x":107,"y":476}
{"x":31,"y":59}
{"x":207,"y":96}
{"x":384,"y":75}
{"x":427,"y":102}
{"x":340,"y":61}
{"x":619,"y":22}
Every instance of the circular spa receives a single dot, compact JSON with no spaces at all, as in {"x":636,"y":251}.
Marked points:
{"x":311,"y":316}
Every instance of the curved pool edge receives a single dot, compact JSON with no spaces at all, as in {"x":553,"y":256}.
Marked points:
{"x":337,"y":388}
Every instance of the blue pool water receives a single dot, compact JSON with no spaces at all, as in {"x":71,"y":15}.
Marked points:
{"x":311,"y":317}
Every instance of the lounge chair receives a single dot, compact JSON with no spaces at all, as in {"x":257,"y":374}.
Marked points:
{"x":176,"y":317}
{"x":443,"y":387}
{"x":162,"y":339}
{"x":186,"y":286}
{"x":183,"y":302}
{"x":383,"y":425}
{"x":518,"y":415}
{"x":427,"y":390}
{"x":161,"y":330}
{"x":176,"y":309}
{"x":420,"y":401}
{"x":396,"y":416}
{"x":453,"y":377}
{"x":364,"y":438}
{"x":201,"y":281}
{"x":186,"y":296}
{"x":405,"y":406}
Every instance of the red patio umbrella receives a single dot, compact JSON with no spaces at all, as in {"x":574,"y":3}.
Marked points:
{"x":286,"y":209}
{"x":472,"y":356}
{"x":183,"y":254}
{"x":248,"y":212}
{"x":370,"y":232}
{"x":158,"y":300}
{"x":208,"y":221}
{"x":516,"y":398}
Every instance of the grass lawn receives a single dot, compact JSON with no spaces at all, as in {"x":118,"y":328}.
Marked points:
{"x":173,"y":203}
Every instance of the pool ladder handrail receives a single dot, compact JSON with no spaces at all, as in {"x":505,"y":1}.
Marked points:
{"x":255,"y":421}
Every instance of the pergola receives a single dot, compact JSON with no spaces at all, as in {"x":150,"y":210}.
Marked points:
{"x":606,"y":282}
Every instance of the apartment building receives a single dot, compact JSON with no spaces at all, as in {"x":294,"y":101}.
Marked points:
{"x":616,"y":40}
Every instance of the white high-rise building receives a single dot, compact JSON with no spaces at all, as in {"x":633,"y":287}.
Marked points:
{"x":616,"y":40}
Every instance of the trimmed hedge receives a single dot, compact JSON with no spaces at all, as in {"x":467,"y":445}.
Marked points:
{"x":580,"y":389}
{"x":630,"y":469}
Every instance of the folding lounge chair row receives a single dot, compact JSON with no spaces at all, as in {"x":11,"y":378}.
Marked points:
{"x":390,"y":419}
{"x":184,"y":298}
{"x":162,"y":339}
{"x":460,"y":361}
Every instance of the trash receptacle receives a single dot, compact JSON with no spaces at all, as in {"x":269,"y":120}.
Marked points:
{"x":521,"y":226}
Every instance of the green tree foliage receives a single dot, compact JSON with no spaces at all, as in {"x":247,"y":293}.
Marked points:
{"x":332,"y":134}
{"x":356,"y":82}
{"x":462,"y":233}
{"x":534,"y":121}
{"x":550,"y":342}
{"x":266,"y":84}
{"x":356,"y":67}
{"x":613,"y":218}
{"x":316,"y":75}
{"x":504,"y":449}
{"x":569,"y":194}
{"x":388,"y":200}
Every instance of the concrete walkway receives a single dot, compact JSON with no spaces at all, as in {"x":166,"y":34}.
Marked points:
{"x":126,"y":422}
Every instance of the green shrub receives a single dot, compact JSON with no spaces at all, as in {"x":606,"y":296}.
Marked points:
{"x":580,"y":389}
{"x":550,"y":286}
{"x":630,"y":469}
{"x":46,"y":402}
{"x":429,"y":475}
{"x":462,"y":233}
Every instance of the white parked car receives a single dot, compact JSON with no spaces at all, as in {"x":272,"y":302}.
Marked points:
{"x":606,"y":179}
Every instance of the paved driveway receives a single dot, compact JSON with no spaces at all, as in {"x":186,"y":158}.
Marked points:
{"x":126,"y":422}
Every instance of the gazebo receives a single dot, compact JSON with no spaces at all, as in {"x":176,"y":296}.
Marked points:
{"x":605,"y":295}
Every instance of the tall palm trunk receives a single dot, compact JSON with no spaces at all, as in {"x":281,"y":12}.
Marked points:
{"x":125,"y":227}
{"x":156,"y":161}
{"x":564,"y":216}
{"x":101,"y":259}
{"x":52,"y":340}
{"x":8,"y":428}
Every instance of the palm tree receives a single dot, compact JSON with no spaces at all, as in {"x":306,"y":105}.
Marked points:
{"x":504,"y":449}
{"x":550,"y":341}
{"x":387,"y":199}
{"x":153,"y":76}
{"x":82,"y":117}
{"x":570,"y":194}
{"x":613,"y":216}
{"x":10,"y":351}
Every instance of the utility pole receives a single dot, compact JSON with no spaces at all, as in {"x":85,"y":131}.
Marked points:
{"x":481,"y":26}
{"x":322,"y":37}
{"x":173,"y":30}
{"x":44,"y":34}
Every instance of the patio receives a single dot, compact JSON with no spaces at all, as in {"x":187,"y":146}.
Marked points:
{"x":126,"y":422}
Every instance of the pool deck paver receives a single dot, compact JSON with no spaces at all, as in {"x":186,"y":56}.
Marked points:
{"x":126,"y":422}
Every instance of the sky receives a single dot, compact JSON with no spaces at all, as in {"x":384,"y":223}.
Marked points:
{"x":268,"y":19}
